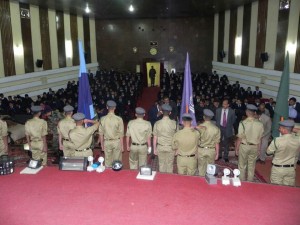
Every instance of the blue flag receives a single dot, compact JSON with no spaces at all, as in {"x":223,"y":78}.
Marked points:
{"x":85,"y":103}
{"x":187,"y":104}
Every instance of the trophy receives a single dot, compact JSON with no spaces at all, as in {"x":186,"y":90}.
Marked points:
{"x":235,"y":180}
{"x":90,"y":167}
{"x":101,"y":167}
{"x":225,"y":178}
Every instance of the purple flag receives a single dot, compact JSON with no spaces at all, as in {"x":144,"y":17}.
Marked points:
{"x":85,"y":103}
{"x":187,"y":105}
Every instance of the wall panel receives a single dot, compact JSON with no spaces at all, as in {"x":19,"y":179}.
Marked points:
{"x":216,"y":35}
{"x":226,"y":35}
{"x":45,"y":36}
{"x":191,"y":35}
{"x":261,"y":31}
{"x":271,"y":33}
{"x":27,"y":41}
{"x":60,"y":31}
{"x":246,"y":34}
{"x":297,"y":58}
{"x":93,"y":40}
{"x":291,"y":42}
{"x":87,"y":39}
{"x":17,"y":37}
{"x":53,"y":38}
{"x":253,"y":34}
{"x":36,"y":35}
{"x":221,"y":34}
{"x":74,"y":37}
{"x":282,"y":29}
{"x":232,"y":35}
{"x":7,"y":39}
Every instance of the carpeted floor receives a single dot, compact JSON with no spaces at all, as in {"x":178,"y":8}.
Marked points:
{"x":54,"y":197}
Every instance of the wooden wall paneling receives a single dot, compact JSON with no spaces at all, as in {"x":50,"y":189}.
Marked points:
{"x":87,"y":40}
{"x":74,"y":37}
{"x":246,"y":34}
{"x":261,"y":31}
{"x":232,"y":35}
{"x":282,"y":30}
{"x":27,"y":41}
{"x":297,"y":60}
{"x":193,"y":35}
{"x":61,"y":39}
{"x":221,"y":34}
{"x":7,"y":39}
{"x":45,"y":36}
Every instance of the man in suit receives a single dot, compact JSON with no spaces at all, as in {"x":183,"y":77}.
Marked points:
{"x":155,"y":113}
{"x":296,"y":105}
{"x":225,"y":118}
{"x":270,"y":107}
{"x":257,"y":93}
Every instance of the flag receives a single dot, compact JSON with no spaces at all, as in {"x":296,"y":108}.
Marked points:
{"x":85,"y":103}
{"x":281,"y":110}
{"x":187,"y":105}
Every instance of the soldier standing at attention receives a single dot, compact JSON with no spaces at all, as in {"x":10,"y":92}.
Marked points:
{"x":163,"y":133}
{"x":139,"y":130}
{"x":267,"y":122}
{"x":285,"y":149}
{"x":63,"y":128}
{"x":111,"y":133}
{"x":36,"y":131}
{"x":82,"y":137}
{"x":185,"y":143}
{"x":208,"y":149}
{"x":248,"y":143}
{"x":3,"y":138}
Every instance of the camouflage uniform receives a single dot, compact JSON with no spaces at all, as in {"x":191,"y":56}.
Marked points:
{"x":53,"y":120}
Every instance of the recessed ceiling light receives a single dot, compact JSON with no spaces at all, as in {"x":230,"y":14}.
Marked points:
{"x":87,"y":8}
{"x":131,"y":8}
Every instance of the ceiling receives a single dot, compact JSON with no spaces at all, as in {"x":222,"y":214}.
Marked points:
{"x":118,"y":9}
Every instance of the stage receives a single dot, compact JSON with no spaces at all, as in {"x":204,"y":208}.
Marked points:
{"x":69,"y":197}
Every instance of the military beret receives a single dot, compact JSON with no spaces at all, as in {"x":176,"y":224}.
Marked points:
{"x":208,"y":112}
{"x":287,"y":123}
{"x":297,"y":125}
{"x":166,"y":107}
{"x":292,"y":112}
{"x":36,"y":108}
{"x":186,"y":116}
{"x":78,"y":116}
{"x":68,"y":108}
{"x":251,"y":107}
{"x":111,"y":103}
{"x":139,"y":111}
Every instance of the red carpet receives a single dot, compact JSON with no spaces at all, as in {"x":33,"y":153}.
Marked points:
{"x":61,"y":197}
{"x":148,"y":98}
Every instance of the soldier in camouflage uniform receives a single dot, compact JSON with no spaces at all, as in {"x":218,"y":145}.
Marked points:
{"x":53,"y":118}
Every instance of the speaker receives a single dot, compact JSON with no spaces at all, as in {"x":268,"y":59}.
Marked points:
{"x":264,"y":57}
{"x":39,"y":63}
{"x":222,"y":54}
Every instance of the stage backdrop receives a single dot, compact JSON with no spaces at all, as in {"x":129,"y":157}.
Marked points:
{"x":156,"y":67}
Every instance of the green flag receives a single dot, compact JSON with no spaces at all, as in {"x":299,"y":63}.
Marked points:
{"x":282,"y":101}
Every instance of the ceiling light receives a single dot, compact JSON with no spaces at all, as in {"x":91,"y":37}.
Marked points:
{"x":131,"y":8}
{"x":87,"y":8}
